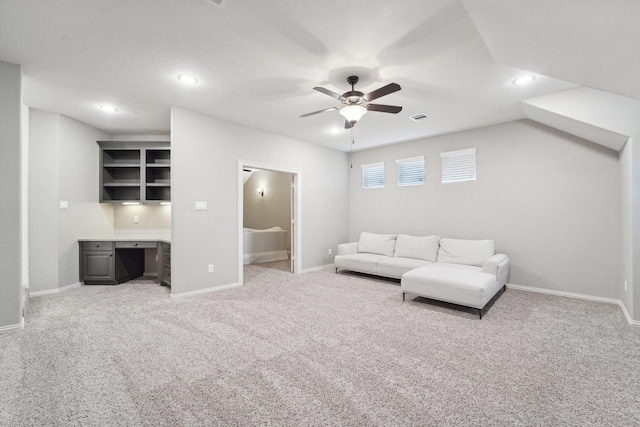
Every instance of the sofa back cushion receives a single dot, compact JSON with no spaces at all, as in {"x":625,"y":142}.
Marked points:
{"x":467,"y":252}
{"x":418,"y":247}
{"x":381,"y":244}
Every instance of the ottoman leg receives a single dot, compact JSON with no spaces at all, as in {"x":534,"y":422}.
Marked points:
{"x":403,"y":296}
{"x":480,"y":313}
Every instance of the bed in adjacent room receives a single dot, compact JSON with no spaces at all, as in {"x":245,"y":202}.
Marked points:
{"x":264,"y":245}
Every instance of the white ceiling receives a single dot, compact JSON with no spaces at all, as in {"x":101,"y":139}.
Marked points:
{"x":257,"y":61}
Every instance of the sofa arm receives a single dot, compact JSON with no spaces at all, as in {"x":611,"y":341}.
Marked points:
{"x":498,"y":265}
{"x":348,"y":248}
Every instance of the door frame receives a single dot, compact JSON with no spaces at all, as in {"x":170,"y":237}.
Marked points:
{"x":296,"y":248}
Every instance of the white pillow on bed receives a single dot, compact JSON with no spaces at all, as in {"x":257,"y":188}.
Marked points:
{"x":417,"y":247}
{"x":382,"y":244}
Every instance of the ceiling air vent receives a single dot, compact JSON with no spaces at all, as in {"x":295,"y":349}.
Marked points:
{"x":216,"y":3}
{"x":418,"y":117}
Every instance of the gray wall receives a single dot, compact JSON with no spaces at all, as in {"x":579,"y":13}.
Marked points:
{"x":272,"y":209}
{"x":630,"y":176}
{"x":10,"y":242}
{"x":551,"y":201}
{"x":63,"y":165}
{"x":205,"y":154}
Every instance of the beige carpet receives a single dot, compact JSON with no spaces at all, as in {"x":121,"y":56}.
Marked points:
{"x":316,"y":349}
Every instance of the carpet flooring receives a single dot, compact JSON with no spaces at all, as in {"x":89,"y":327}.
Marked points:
{"x":316,"y":349}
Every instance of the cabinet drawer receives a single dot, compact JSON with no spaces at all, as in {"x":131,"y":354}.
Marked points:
{"x":134,"y":244}
{"x":97,"y":246}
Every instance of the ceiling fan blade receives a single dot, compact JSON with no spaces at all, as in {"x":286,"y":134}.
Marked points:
{"x":384,"y":90}
{"x":320,"y":111}
{"x":384,"y":108}
{"x":329,"y":92}
{"x":348,"y":124}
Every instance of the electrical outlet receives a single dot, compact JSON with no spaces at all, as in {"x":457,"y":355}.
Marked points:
{"x":136,"y":220}
{"x":330,"y":251}
{"x":210,"y":268}
{"x":625,"y":286}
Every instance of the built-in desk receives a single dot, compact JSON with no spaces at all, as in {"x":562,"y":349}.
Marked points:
{"x":114,"y":260}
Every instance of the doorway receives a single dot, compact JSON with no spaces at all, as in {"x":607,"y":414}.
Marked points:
{"x":269,"y":206}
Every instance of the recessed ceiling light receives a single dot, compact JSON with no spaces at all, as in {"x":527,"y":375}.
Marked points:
{"x":108,"y":108}
{"x":335,"y":130}
{"x":187,"y":79}
{"x":523,"y":80}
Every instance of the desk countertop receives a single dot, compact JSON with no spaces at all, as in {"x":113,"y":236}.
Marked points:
{"x":141,"y":238}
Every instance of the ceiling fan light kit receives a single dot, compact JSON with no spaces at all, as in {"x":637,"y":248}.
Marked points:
{"x":356,"y":103}
{"x":353,"y":113}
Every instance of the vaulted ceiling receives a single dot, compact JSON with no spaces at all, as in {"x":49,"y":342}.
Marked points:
{"x":257,"y":61}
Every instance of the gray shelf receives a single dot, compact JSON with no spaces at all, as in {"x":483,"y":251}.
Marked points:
{"x":135,"y":171}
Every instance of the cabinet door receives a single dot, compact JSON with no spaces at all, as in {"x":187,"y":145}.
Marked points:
{"x":164,"y":263}
{"x":98,"y":266}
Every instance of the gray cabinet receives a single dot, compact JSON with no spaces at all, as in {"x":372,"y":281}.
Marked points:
{"x":135,"y":171}
{"x":164,"y":263}
{"x":110,"y":263}
{"x":97,"y":263}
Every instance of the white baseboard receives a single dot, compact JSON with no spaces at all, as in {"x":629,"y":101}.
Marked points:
{"x":206,"y":291}
{"x":12,"y":327}
{"x":319,"y":268}
{"x":577,"y":296}
{"x":55,"y":291}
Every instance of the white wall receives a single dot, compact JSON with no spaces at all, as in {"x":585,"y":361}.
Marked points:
{"x":205,"y":154}
{"x":551,"y":201}
{"x":153,"y":219}
{"x":272,"y":209}
{"x":10,"y":241}
{"x":24,"y":194}
{"x":63,"y":166}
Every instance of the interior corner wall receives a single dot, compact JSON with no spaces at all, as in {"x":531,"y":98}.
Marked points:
{"x":274,"y":207}
{"x":204,"y":164}
{"x":63,"y":165}
{"x":79,"y":173}
{"x":551,"y":201}
{"x":10,"y":240}
{"x":43,"y":200}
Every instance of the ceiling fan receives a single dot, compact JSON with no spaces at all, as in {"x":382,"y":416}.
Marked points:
{"x":356,"y":103}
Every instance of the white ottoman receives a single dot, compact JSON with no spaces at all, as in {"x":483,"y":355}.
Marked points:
{"x":453,"y":283}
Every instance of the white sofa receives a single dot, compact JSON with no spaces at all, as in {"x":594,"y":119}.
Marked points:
{"x":463,"y":272}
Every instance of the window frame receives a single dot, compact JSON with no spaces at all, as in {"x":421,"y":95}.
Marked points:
{"x":459,"y":166}
{"x":407,"y":161}
{"x":372,"y":167}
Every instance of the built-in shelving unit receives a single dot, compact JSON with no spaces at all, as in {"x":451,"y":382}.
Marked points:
{"x":135,"y":171}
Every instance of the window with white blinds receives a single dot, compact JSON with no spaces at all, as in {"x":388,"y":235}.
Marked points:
{"x":410,"y":171}
{"x":373,"y":175}
{"x":458,"y":166}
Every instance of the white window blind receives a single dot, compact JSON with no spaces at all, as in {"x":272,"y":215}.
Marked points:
{"x":410,"y":171}
{"x":373,"y":175}
{"x":458,"y":166}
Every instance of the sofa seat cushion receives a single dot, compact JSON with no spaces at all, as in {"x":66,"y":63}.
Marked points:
{"x":395,"y":267}
{"x":364,"y":263}
{"x":450,"y":283}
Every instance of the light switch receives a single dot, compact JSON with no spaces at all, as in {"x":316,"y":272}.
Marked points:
{"x":64,"y":204}
{"x":201,"y":206}
{"x":136,"y":219}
